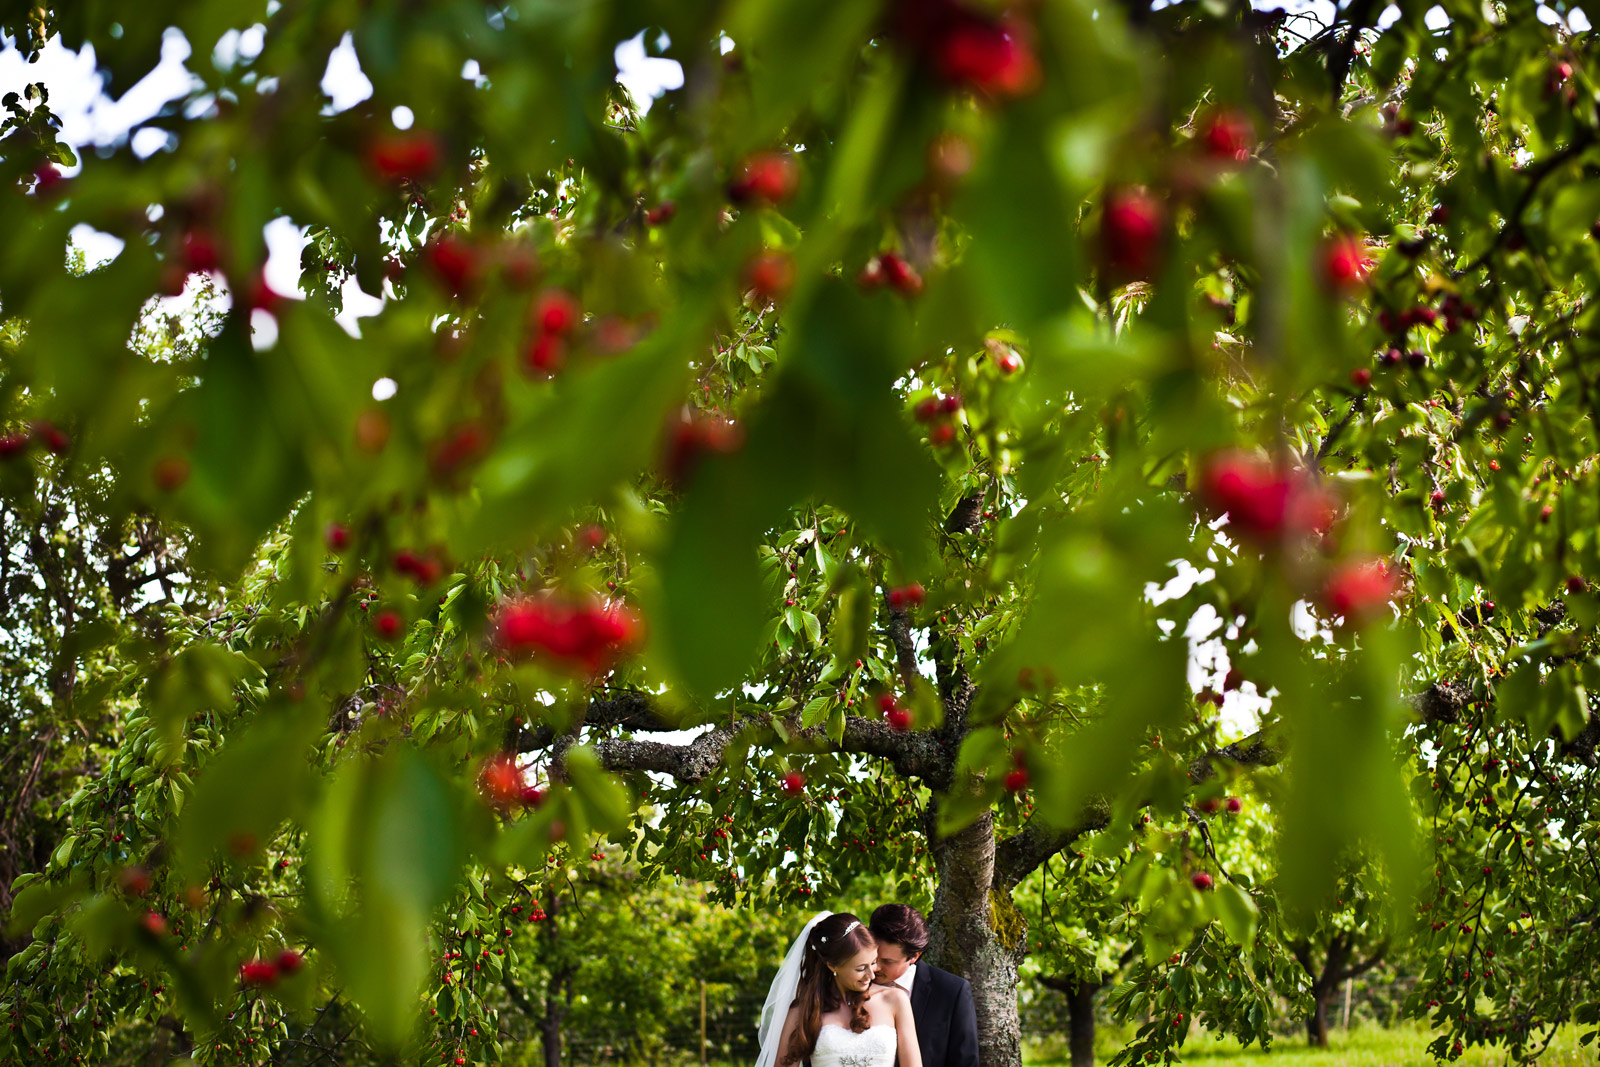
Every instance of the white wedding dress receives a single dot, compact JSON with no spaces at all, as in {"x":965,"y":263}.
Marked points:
{"x":839,"y":1046}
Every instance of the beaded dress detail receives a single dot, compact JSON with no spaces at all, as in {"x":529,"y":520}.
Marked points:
{"x":839,"y":1046}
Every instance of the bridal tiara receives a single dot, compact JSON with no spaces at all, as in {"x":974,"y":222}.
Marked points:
{"x":824,"y":940}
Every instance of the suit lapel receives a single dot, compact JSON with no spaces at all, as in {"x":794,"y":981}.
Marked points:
{"x":921,"y":990}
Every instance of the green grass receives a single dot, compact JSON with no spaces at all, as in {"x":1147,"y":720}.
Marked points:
{"x":1366,"y":1046}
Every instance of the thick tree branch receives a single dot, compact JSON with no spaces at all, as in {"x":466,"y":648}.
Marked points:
{"x":964,"y":516}
{"x":1361,"y":13}
{"x":1362,"y":968}
{"x":1018,"y":855}
{"x":914,"y":755}
{"x":905,"y":653}
{"x":1581,"y":140}
{"x":1441,"y":702}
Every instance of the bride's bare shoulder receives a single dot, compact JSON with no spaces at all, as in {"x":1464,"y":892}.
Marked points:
{"x":888,"y":993}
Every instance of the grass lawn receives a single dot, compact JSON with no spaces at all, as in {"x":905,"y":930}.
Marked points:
{"x":1367,"y":1046}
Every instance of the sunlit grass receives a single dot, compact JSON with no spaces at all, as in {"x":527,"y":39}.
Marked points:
{"x":1366,"y":1046}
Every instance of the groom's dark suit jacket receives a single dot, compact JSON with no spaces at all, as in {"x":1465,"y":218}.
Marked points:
{"x":947,"y":1023}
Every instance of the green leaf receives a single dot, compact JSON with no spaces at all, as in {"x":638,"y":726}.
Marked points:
{"x":1233,"y":907}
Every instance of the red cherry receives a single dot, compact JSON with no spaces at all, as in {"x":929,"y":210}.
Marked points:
{"x":154,"y":923}
{"x":47,"y":177}
{"x":261,"y":296}
{"x":410,"y":155}
{"x":455,"y":262}
{"x":1235,"y":805}
{"x":1008,"y":362}
{"x":1436,"y":498}
{"x":900,"y":274}
{"x":1576,"y":584}
{"x":768,"y":176}
{"x":927,"y":410}
{"x":1391,"y":357}
{"x":13,"y":445}
{"x":950,"y":404}
{"x":1209,"y":806}
{"x":580,"y":637}
{"x":770,"y":275}
{"x":1228,"y":136}
{"x":544,"y":356}
{"x":135,"y":881}
{"x":501,"y":780}
{"x":1201,"y":880}
{"x":1361,"y":377}
{"x":1251,"y":492}
{"x":337,"y":537}
{"x":200,"y":251}
{"x":995,"y":58}
{"x":1017,"y":780}
{"x":1359,"y":589}
{"x":661,"y":213}
{"x":872,"y":275}
{"x":288,"y":961}
{"x":592,"y":537}
{"x":1345,"y":264}
{"x":387,"y":624}
{"x":905,"y":596}
{"x":941,"y":435}
{"x":258,"y":973}
{"x":462,"y":446}
{"x":170,"y":473}
{"x":51,"y":436}
{"x":531,"y":796}
{"x":899,"y":719}
{"x":690,"y":438}
{"x":793,"y":783}
{"x":1130,"y":235}
{"x":557,"y":312}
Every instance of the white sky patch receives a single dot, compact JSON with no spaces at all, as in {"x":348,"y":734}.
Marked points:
{"x":1390,"y":16}
{"x":284,"y":242}
{"x":358,"y":304}
{"x":1436,"y":18}
{"x":88,"y":115}
{"x":402,"y":117}
{"x":344,"y":81}
{"x":1578,"y":20}
{"x":99,"y":248}
{"x":645,"y":77}
{"x":263,"y":329}
{"x":384,"y":389}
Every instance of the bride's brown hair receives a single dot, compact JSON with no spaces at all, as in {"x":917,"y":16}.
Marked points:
{"x":818,"y":993}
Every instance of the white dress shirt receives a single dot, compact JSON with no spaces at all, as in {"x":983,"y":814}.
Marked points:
{"x":905,"y":980}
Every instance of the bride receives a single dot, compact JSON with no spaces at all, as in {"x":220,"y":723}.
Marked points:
{"x":825,"y":1010}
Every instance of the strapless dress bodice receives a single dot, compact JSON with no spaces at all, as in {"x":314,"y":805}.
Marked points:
{"x":839,"y":1046}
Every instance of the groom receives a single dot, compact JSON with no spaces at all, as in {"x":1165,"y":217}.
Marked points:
{"x":941,"y":1003}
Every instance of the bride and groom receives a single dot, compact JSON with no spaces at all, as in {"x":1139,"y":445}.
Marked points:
{"x":854,"y":995}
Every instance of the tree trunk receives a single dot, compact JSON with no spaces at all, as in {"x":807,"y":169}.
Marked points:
{"x":978,"y":933}
{"x":1317,"y":1022}
{"x":555,"y":1008}
{"x":1080,"y":1009}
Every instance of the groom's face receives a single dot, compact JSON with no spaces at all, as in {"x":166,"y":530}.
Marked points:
{"x":892,"y":961}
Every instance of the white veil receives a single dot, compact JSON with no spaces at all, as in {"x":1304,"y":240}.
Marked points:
{"x":781,"y":994}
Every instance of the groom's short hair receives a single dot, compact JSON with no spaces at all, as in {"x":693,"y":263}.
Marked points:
{"x":902,"y":925}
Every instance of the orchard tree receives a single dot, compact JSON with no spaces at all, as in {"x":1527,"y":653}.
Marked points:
{"x":842,"y":409}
